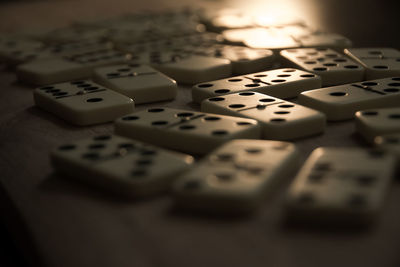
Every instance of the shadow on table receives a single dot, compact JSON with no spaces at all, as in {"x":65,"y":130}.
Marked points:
{"x":203,"y":215}
{"x":327,"y":228}
{"x":59,"y":184}
{"x":53,"y":119}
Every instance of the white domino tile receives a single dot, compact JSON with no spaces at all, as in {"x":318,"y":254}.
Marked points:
{"x":140,"y":82}
{"x":373,"y":122}
{"x":282,"y":83}
{"x":341,"y":185}
{"x":82,"y":102}
{"x":343,"y":101}
{"x":279,"y":119}
{"x":120,"y":165}
{"x":183,"y":130}
{"x":333,"y":67}
{"x":237,"y":177}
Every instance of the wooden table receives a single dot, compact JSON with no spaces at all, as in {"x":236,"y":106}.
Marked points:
{"x":57,"y":222}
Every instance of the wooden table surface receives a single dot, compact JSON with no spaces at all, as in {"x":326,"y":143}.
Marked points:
{"x":57,"y":222}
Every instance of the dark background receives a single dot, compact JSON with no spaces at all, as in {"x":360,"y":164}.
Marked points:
{"x":368,"y":23}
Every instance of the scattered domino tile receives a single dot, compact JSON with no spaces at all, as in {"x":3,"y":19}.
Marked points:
{"x":15,"y":50}
{"x":80,"y":46}
{"x":277,"y":37}
{"x":282,"y":83}
{"x":153,"y":29}
{"x":138,"y":48}
{"x":345,"y":185}
{"x":263,"y":38}
{"x":285,"y":37}
{"x":19,"y":56}
{"x":127,"y":37}
{"x":324,"y":40}
{"x":274,"y":41}
{"x":230,"y":21}
{"x":293,"y":30}
{"x":8,"y":44}
{"x":140,"y":82}
{"x":372,"y":53}
{"x":72,"y":34}
{"x":66,"y":68}
{"x":378,"y":62}
{"x":171,"y":43}
{"x":238,"y":36}
{"x":181,"y":28}
{"x":82,"y":102}
{"x":341,"y":102}
{"x":186,"y":68}
{"x":183,"y":130}
{"x":217,"y":20}
{"x":279,"y":119}
{"x":123,"y":37}
{"x":278,"y":21}
{"x":371,"y":123}
{"x":120,"y":165}
{"x":243,"y":59}
{"x":390,"y":143}
{"x":237,"y":176}
{"x":295,"y":37}
{"x":334,"y":68}
{"x":199,"y":39}
{"x":247,"y":60}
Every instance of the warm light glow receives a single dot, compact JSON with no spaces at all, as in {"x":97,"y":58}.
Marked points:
{"x":271,"y":24}
{"x":267,"y":12}
{"x":271,"y":39}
